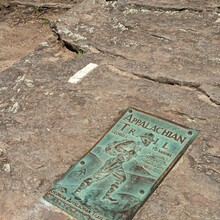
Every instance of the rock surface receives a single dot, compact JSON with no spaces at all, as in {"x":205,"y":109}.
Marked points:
{"x":22,"y":28}
{"x":159,"y":57}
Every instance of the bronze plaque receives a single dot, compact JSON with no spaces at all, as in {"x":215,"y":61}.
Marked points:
{"x":114,"y":179}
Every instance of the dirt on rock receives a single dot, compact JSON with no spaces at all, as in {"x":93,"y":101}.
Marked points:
{"x":22,"y":28}
{"x":158,"y":56}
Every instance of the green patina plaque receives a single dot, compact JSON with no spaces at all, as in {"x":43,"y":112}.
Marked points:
{"x":118,"y":175}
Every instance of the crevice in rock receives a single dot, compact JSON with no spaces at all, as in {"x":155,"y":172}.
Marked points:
{"x":164,"y":80}
{"x":182,"y":114}
{"x":42,"y":5}
{"x":169,"y":9}
{"x":72,"y":47}
{"x":168,"y":81}
{"x":55,"y":31}
{"x":69,"y":45}
{"x":121,"y":72}
{"x":160,"y":37}
{"x":211,"y":99}
{"x":110,"y":53}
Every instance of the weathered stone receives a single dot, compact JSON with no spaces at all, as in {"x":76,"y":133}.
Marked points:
{"x":165,"y":63}
{"x":159,"y":43}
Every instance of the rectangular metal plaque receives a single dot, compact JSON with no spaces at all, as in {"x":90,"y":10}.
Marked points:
{"x":122,"y":170}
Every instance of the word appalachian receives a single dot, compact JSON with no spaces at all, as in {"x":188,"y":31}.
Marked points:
{"x":146,"y":125}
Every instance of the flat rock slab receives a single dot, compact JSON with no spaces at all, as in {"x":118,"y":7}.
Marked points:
{"x":47,"y":124}
{"x":171,"y":43}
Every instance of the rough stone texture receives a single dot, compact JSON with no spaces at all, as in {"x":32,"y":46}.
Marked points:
{"x":173,"y":44}
{"x":162,"y":61}
{"x":22,"y":29}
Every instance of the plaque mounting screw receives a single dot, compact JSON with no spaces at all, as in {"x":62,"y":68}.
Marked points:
{"x":82,"y":162}
{"x":142,"y":192}
{"x":189,"y":132}
{"x":130,"y":111}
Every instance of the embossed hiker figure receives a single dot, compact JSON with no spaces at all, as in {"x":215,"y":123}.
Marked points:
{"x":122,"y":151}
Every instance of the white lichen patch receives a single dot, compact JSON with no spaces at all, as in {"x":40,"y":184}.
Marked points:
{"x":119,"y":25}
{"x":77,"y":37}
{"x":14,"y":108}
{"x":90,"y":29}
{"x":6,"y":167}
{"x":144,"y":10}
{"x":48,"y":93}
{"x":85,"y":28}
{"x":215,"y":59}
{"x":20,"y":79}
{"x":67,"y":32}
{"x":141,"y":10}
{"x":12,"y":99}
{"x":111,"y":3}
{"x":29,"y":82}
{"x":3,"y":89}
{"x":130,"y":11}
{"x":130,"y":43}
{"x":114,"y":40}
